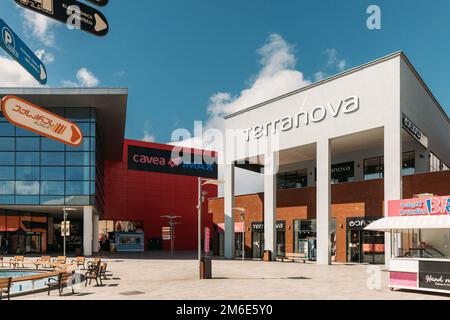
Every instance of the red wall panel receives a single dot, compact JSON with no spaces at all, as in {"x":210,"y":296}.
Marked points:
{"x":146,"y":196}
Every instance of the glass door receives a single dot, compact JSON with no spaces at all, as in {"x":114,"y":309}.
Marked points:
{"x":354,"y":244}
{"x":257,"y":245}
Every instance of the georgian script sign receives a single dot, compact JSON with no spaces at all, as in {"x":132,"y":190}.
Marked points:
{"x":434,"y":275}
{"x":70,"y":12}
{"x":18,"y":50}
{"x":30,"y":117}
{"x":157,"y":160}
{"x":420,"y":207}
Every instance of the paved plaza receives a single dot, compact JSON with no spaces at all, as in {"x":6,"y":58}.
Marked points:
{"x":159,"y":277}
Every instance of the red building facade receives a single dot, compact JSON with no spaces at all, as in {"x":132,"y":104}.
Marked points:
{"x":142,"y":194}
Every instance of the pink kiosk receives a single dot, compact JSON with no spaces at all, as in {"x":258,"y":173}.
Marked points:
{"x":420,"y":243}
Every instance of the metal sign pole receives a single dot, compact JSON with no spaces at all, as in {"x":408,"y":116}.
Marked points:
{"x":65,"y":231}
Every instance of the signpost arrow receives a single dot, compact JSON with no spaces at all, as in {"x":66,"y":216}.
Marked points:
{"x":30,"y":117}
{"x":100,"y":3}
{"x":71,"y":12}
{"x":17,"y":49}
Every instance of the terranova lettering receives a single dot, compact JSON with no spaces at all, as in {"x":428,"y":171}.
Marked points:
{"x":316,"y":115}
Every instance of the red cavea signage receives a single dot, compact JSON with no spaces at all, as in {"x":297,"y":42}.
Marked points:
{"x":137,"y":158}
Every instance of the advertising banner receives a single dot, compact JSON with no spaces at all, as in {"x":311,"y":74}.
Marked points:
{"x":30,"y":117}
{"x":20,"y":52}
{"x":157,"y":160}
{"x":420,"y":207}
{"x":434,"y":275}
{"x":72,"y":13}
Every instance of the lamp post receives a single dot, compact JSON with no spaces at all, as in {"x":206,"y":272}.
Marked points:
{"x":65,"y":227}
{"x":201,"y":200}
{"x":242,"y":213}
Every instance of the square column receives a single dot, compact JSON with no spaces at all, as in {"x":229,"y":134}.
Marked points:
{"x":95,"y":243}
{"x":323,"y":204}
{"x":87,"y":231}
{"x":229,"y":200}
{"x":270,"y":203}
{"x":393,"y":182}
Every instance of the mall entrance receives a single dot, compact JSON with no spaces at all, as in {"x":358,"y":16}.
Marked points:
{"x":364,"y":246}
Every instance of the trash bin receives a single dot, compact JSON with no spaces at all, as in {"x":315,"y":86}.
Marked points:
{"x":267,"y":256}
{"x":206,"y":268}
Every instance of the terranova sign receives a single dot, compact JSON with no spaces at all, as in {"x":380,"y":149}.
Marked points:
{"x":17,"y":49}
{"x":30,"y":117}
{"x":71,"y":12}
{"x":316,"y":115}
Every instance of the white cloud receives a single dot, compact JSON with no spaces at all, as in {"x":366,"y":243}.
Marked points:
{"x":39,"y":26}
{"x":85,"y":79}
{"x":45,"y":57}
{"x":333,"y":64}
{"x":14,"y":75}
{"x":277,"y":76}
{"x":148,"y":136}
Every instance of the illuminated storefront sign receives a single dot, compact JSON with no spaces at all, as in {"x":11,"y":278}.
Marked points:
{"x":30,"y":117}
{"x":157,"y":160}
{"x":420,"y":206}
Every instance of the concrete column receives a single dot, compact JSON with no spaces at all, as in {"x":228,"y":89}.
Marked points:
{"x":87,"y":231}
{"x":323,"y":202}
{"x":229,"y":176}
{"x":95,"y":243}
{"x":270,"y":202}
{"x":393,"y":162}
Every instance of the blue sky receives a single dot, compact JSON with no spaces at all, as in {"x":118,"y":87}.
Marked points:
{"x":175,"y":55}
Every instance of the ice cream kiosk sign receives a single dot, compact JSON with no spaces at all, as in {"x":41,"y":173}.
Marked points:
{"x":420,"y":207}
{"x":33,"y":118}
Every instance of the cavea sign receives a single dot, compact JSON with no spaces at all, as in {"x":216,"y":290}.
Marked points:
{"x":316,"y":115}
{"x":33,"y":118}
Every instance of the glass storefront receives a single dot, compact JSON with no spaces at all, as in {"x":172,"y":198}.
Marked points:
{"x":421,"y":243}
{"x":305,"y":238}
{"x":258,"y":239}
{"x":23,"y":232}
{"x":374,"y":167}
{"x":292,"y":180}
{"x":108,"y":229}
{"x":364,"y":246}
{"x":35,"y":170}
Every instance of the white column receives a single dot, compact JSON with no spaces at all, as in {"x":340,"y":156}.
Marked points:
{"x":95,"y":243}
{"x":393,"y":162}
{"x":270,"y":202}
{"x":229,"y":176}
{"x":323,"y":204}
{"x":87,"y":231}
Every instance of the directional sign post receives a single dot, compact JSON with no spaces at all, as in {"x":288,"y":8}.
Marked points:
{"x":17,"y":49}
{"x":100,"y":3}
{"x":30,"y":117}
{"x":72,"y":13}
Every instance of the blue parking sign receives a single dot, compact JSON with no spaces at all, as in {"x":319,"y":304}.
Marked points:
{"x":17,"y":49}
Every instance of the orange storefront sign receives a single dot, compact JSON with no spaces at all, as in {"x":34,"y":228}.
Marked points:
{"x":30,"y":117}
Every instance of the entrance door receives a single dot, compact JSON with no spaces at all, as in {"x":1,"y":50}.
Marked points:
{"x":281,"y":242}
{"x":258,"y":245}
{"x":354,"y":246}
{"x":373,"y":247}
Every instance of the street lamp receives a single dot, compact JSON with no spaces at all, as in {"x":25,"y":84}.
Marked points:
{"x":242,"y":214}
{"x":201,"y":199}
{"x":172,"y":224}
{"x":65,"y":227}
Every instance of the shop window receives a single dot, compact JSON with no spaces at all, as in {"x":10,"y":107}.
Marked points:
{"x":374,"y":167}
{"x":305,"y":238}
{"x":292,"y":180}
{"x":435,"y":163}
{"x":423,"y":244}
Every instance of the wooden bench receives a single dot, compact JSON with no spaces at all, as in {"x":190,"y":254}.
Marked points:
{"x":294,"y":257}
{"x":65,"y":279}
{"x":94,"y":273}
{"x":43,"y":261}
{"x":5,"y":287}
{"x":16,"y":261}
{"x":60,"y":260}
{"x":80,"y":261}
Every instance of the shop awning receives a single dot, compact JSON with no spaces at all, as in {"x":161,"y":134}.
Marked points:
{"x":238,"y":227}
{"x":410,"y":222}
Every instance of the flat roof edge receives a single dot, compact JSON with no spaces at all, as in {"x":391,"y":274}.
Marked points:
{"x":399,"y":53}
